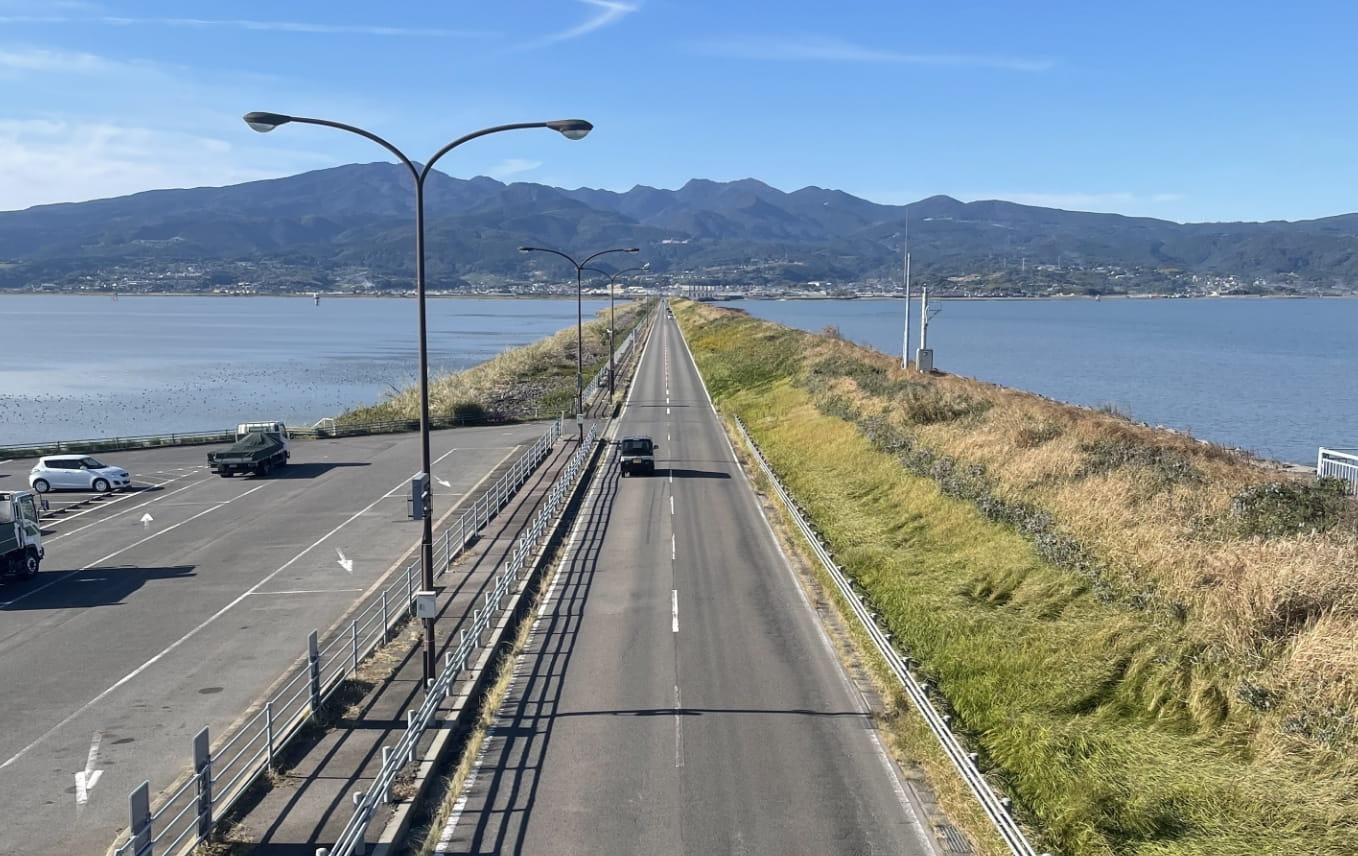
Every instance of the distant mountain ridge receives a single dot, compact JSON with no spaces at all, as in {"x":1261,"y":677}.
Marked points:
{"x":356,"y":220}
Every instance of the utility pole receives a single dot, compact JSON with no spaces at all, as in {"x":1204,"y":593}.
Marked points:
{"x":905,"y":344}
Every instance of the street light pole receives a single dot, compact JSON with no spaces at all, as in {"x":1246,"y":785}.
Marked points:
{"x":579,"y":323}
{"x":612,"y":282}
{"x":572,"y":129}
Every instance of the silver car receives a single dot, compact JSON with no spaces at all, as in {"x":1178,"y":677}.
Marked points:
{"x":77,"y":472}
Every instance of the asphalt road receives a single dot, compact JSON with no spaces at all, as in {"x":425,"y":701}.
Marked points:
{"x":138,"y":632}
{"x":677,"y":694}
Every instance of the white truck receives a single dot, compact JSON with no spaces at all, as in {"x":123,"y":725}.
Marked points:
{"x":20,"y":535}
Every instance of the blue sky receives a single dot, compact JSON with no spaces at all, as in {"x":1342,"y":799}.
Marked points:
{"x":1190,"y":111}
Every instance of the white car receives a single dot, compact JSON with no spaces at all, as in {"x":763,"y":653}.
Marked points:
{"x":76,"y":472}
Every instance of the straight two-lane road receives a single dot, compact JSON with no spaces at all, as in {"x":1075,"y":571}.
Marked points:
{"x":176,"y":605}
{"x":677,"y":694}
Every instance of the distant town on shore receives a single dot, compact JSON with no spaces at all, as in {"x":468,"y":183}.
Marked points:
{"x":349,"y":230}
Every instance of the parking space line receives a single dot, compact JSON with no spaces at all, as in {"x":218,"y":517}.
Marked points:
{"x":115,"y":553}
{"x":120,"y":513}
{"x":196,"y":630}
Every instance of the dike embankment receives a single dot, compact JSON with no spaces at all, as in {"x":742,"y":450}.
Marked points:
{"x":1148,"y":640}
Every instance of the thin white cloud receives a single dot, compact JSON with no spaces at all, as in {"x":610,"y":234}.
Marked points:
{"x":610,"y":11}
{"x":836,"y":50}
{"x":269,"y":26}
{"x":45,"y":160}
{"x":39,"y":59}
{"x":512,"y":166}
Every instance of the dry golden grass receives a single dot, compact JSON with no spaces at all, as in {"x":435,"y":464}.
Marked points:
{"x":519,"y":382}
{"x":1225,"y":652}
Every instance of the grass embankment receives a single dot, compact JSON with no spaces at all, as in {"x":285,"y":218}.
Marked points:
{"x":536,"y":381}
{"x":1149,"y":640}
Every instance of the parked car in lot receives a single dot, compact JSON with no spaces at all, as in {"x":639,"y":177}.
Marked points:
{"x":77,"y":472}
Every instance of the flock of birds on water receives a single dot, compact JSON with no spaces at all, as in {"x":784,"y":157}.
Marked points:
{"x":209,"y":398}
{"x":124,"y":395}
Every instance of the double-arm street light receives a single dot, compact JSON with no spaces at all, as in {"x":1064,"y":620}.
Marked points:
{"x":572,"y":129}
{"x":579,"y":323}
{"x":613,"y":281}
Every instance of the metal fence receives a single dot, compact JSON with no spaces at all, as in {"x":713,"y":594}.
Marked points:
{"x":1339,"y":464}
{"x":324,"y":429}
{"x":996,"y":807}
{"x":352,"y":840}
{"x":186,"y":816}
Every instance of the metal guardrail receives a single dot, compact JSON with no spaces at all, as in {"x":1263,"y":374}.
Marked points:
{"x":996,"y":807}
{"x":185,"y":817}
{"x":1339,"y":464}
{"x":352,"y":839}
{"x":114,"y":444}
{"x":326,"y":428}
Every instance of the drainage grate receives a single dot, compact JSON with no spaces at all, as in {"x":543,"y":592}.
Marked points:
{"x":953,"y":840}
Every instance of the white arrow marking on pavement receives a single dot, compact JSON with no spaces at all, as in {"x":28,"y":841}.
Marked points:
{"x":86,"y":778}
{"x":146,"y":519}
{"x":347,"y":564}
{"x":442,"y":482}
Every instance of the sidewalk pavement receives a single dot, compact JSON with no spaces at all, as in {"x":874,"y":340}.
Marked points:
{"x":309,"y":804}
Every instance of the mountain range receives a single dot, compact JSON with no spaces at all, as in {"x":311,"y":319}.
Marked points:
{"x":335,"y":227}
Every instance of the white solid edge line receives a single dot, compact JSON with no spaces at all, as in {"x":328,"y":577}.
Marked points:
{"x":572,"y":546}
{"x":888,"y":763}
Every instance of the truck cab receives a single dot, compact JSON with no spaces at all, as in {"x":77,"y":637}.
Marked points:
{"x":21,"y":548}
{"x":637,"y":455}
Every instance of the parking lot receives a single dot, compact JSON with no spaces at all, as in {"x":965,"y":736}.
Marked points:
{"x":176,"y":603}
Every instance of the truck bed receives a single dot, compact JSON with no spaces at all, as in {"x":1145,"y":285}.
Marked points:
{"x":251,"y":448}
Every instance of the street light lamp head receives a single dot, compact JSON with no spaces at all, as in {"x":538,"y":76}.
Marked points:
{"x":527,"y":249}
{"x":571,"y":129}
{"x":265,"y":122}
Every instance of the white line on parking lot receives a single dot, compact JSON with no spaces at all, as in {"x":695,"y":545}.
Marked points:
{"x":88,"y":777}
{"x":194,"y":632}
{"x":116,"y":553}
{"x":69,"y":517}
{"x":313,"y":591}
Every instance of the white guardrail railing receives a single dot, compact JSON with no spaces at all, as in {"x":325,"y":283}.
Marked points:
{"x":996,"y":806}
{"x":352,"y":840}
{"x":1339,"y":464}
{"x":185,"y":817}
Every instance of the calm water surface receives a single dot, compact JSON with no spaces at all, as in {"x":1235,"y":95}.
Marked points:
{"x":82,"y":367}
{"x":1276,"y":377}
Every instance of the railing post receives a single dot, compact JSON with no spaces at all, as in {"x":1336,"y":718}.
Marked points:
{"x":268,"y":728}
{"x":384,"y":615}
{"x":139,"y":804}
{"x":202,"y":768}
{"x":353,"y":645}
{"x":313,"y":656}
{"x":410,"y":726}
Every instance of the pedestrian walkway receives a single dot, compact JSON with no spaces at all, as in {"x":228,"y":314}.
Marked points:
{"x":309,"y":803}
